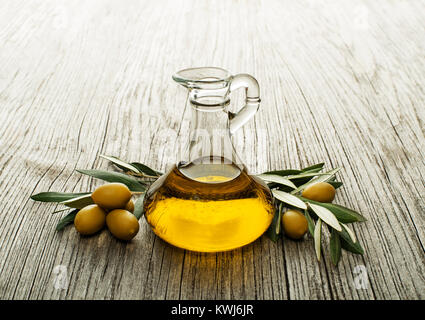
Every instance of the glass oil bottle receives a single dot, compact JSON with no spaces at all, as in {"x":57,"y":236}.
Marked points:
{"x":208,"y":202}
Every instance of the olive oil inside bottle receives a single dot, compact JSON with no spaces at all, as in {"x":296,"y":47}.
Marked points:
{"x":208,"y":207}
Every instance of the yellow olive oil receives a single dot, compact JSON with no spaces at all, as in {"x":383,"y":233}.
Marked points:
{"x":208,"y":207}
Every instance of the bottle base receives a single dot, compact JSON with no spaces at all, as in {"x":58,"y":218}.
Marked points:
{"x":218,"y":215}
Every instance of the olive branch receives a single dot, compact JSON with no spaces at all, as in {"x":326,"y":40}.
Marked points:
{"x":286,"y":186}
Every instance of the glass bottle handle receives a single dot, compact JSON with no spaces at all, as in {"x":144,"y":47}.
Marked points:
{"x":252,"y":100}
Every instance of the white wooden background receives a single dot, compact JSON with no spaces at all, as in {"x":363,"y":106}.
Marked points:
{"x":342,"y":82}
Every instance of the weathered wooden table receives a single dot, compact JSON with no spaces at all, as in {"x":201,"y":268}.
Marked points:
{"x":342,"y":82}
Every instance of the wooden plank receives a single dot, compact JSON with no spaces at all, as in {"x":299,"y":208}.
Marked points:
{"x":341,"y":82}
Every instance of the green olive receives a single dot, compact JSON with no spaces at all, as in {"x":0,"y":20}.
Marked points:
{"x":90,"y":219}
{"x":122,"y":224}
{"x":322,"y":192}
{"x":111,"y":196}
{"x":129,"y":206}
{"x":294,"y":224}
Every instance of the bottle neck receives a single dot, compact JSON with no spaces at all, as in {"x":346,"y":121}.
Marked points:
{"x":209,"y":140}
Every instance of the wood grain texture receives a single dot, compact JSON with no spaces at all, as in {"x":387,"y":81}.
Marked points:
{"x":342,"y":82}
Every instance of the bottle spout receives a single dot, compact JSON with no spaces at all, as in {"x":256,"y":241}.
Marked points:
{"x":206,"y":78}
{"x":208,"y":86}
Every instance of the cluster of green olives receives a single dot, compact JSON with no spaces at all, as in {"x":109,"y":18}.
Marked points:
{"x":294,"y":222}
{"x":113,"y":207}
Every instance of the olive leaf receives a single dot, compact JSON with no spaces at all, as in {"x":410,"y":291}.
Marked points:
{"x":142,"y":168}
{"x":348,"y":244}
{"x":352,"y":247}
{"x":61,"y":210}
{"x":322,"y":178}
{"x":293,"y":172}
{"x":289,"y":199}
{"x":305,"y":175}
{"x":350,"y":233}
{"x":308,"y":174}
{"x":55,"y":196}
{"x":283,"y":173}
{"x":132,"y":183}
{"x":280,"y":187}
{"x":303,"y":178}
{"x":326,"y":215}
{"x":78,"y":202}
{"x":300,"y":181}
{"x":343,"y":214}
{"x":314,"y":167}
{"x":138,"y":206}
{"x":120,"y":164}
{"x":299,"y":177}
{"x":317,"y":238}
{"x":310,"y":222}
{"x":277,"y":179}
{"x":335,"y":184}
{"x":68,"y":219}
{"x":274,"y":230}
{"x":335,"y":247}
